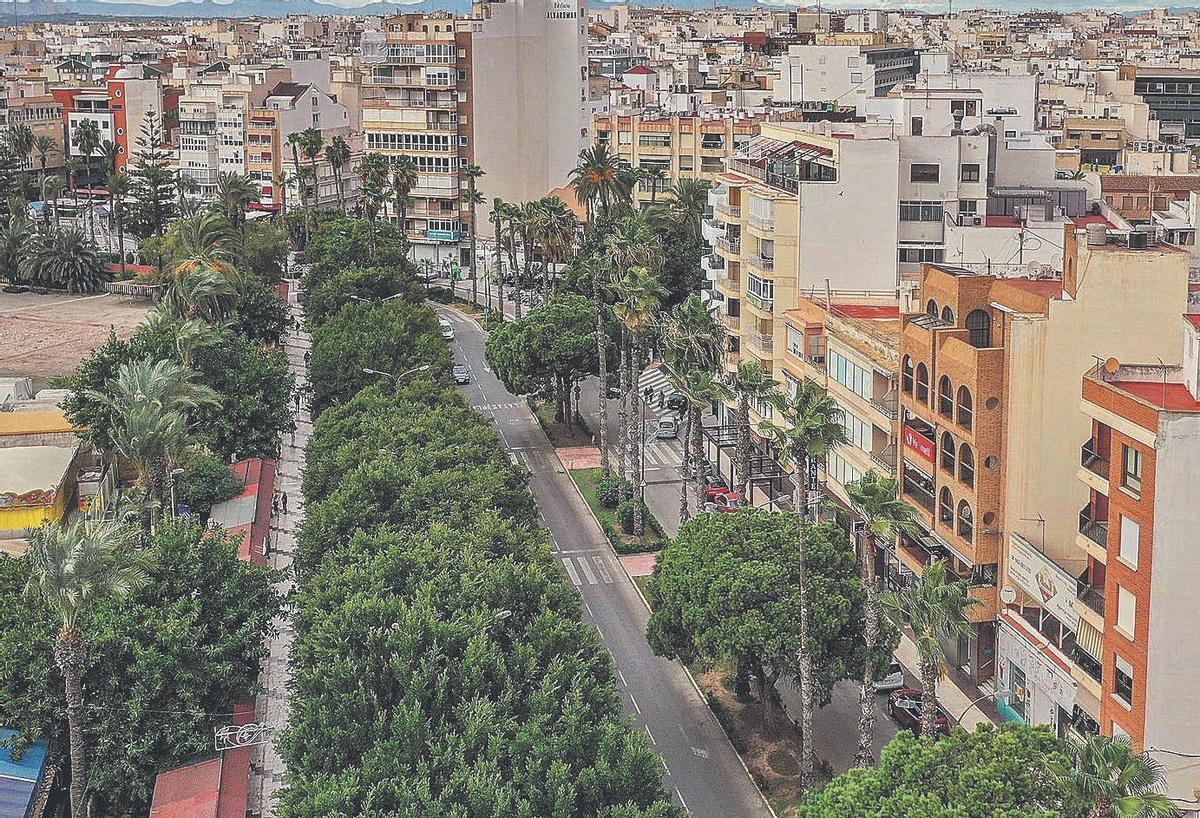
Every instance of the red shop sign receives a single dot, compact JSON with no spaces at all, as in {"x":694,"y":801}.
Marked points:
{"x":919,"y":444}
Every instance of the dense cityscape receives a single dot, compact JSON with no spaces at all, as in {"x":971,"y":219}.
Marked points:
{"x":554,"y":411}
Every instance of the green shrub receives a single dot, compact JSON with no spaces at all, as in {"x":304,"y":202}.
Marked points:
{"x":608,"y":491}
{"x":206,"y":481}
{"x":625,"y":516}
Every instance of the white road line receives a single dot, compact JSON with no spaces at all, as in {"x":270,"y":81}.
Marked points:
{"x":587,"y":571}
{"x":602,"y":569}
{"x":681,"y":801}
{"x":651,"y":735}
{"x":664,"y":763}
{"x":621,"y":676}
{"x":636,"y":708}
{"x":588,"y":608}
{"x":571,"y":570}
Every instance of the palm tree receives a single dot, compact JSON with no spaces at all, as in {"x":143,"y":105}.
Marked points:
{"x":689,"y":200}
{"x":235,"y":193}
{"x":597,"y":270}
{"x":206,"y":241}
{"x":337,"y":155}
{"x":185,"y":185}
{"x":472,"y":199}
{"x":67,"y":259}
{"x":751,"y":385}
{"x":655,"y":175}
{"x":87,"y":139}
{"x":640,"y":296}
{"x":876,"y":499}
{"x":1115,"y":782}
{"x":119,"y":186}
{"x":73,"y":167}
{"x":44,"y":146}
{"x":311,"y":143}
{"x":201,"y":293}
{"x":374,"y":198}
{"x":111,"y":154}
{"x":497,"y":215}
{"x":699,"y":387}
{"x":14,"y":245}
{"x":523,"y":221}
{"x":554,"y":227}
{"x":404,"y":179}
{"x":812,"y":426}
{"x":935,"y":609}
{"x":190,"y":334}
{"x":72,"y":567}
{"x":281,"y":182}
{"x":19,"y":139}
{"x":52,"y":189}
{"x":601,"y":179}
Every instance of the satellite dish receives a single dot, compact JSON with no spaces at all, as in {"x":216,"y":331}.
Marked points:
{"x":1008,"y":595}
{"x":1111,"y":366}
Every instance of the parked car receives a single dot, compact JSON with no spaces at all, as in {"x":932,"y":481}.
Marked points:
{"x":904,"y":705}
{"x":668,"y":429}
{"x":725,"y":503}
{"x":461,"y":374}
{"x":447,"y":330}
{"x":714,"y":486}
{"x":676,"y":402}
{"x":891,"y":679}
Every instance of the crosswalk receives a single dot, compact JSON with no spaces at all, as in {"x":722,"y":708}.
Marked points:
{"x":587,"y":567}
{"x":654,"y":377}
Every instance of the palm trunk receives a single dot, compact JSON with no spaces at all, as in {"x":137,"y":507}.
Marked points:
{"x":766,"y":690}
{"x":743,"y":448}
{"x":866,"y":694}
{"x":697,"y":443}
{"x":623,"y":418}
{"x":602,"y":361}
{"x":474,"y":265}
{"x":807,"y":685}
{"x":684,"y":514}
{"x":929,"y":706}
{"x":119,"y":210}
{"x":70,"y":653}
{"x":637,"y":438}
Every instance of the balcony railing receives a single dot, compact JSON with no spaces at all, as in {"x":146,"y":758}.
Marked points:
{"x":885,"y":460}
{"x":1090,"y":595}
{"x":923,"y":497}
{"x":725,"y":207}
{"x":1091,"y":459}
{"x":728,"y":245}
{"x":1086,"y":663}
{"x":761,"y":222}
{"x":731,"y":322}
{"x":761,"y":262}
{"x":728,"y":279}
{"x":886,"y":405}
{"x":761,"y":341}
{"x":760,"y":303}
{"x":1095,"y":530}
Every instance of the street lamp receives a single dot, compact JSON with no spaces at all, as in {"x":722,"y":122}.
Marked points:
{"x":374,"y":300}
{"x":998,"y":695}
{"x":174,"y":473}
{"x":396,"y":378}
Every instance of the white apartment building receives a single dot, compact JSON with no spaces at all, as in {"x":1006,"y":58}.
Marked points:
{"x":845,"y":74}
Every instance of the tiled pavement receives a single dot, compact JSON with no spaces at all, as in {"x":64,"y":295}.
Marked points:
{"x":267,"y":768}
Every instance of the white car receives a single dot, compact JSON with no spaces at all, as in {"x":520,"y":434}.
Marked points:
{"x":893,"y":679}
{"x":668,"y":429}
{"x":447,"y":330}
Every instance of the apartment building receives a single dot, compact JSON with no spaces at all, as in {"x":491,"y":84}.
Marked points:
{"x":1099,"y":141}
{"x":505,"y":89}
{"x":118,"y":106}
{"x":842,"y":73}
{"x":1172,"y":92}
{"x":682,"y":147}
{"x":27,"y":103}
{"x":1139,"y":468}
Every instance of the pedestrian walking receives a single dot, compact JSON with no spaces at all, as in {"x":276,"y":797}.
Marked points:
{"x":306,"y":354}
{"x":296,"y":399}
{"x":662,"y":397}
{"x":275,"y":505}
{"x":283,"y":500}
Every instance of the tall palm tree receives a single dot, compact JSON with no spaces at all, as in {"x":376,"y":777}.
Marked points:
{"x":200,"y":293}
{"x":689,"y":201}
{"x":52,"y":189}
{"x":110,"y":153}
{"x":876,"y":499}
{"x":692,"y":335}
{"x":601,"y":179}
{"x":337,"y":155}
{"x":73,"y":167}
{"x":655,"y":175}
{"x":44,"y":146}
{"x":751,"y":385}
{"x":554,"y":227}
{"x":812,"y":426}
{"x":508,"y":214}
{"x":19,"y":139}
{"x":936,"y":609}
{"x":14,"y":245}
{"x":184,"y":186}
{"x":190,"y":334}
{"x":597,"y":270}
{"x":294,"y":140}
{"x":404,"y":179}
{"x":523,"y":220}
{"x":1115,"y":782}
{"x":119,"y":187}
{"x":472,"y":199}
{"x":497,"y":225}
{"x":235,"y":193}
{"x":281,"y":182}
{"x":641,"y":293}
{"x":66,"y":259}
{"x":311,"y":143}
{"x":207,"y":241}
{"x":87,"y":139}
{"x":72,"y":567}
{"x":699,"y":387}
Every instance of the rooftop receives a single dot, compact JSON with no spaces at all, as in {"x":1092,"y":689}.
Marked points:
{"x":24,"y":469}
{"x":1170,"y":397}
{"x":19,"y":779}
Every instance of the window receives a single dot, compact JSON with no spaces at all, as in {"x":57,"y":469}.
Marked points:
{"x":931,"y":308}
{"x":856,"y":77}
{"x":946,"y":507}
{"x":969,"y":172}
{"x":945,"y":397}
{"x":906,"y":375}
{"x":964,"y":107}
{"x":1123,"y":681}
{"x":947,"y":452}
{"x":918,"y":255}
{"x":966,"y":466}
{"x":964,"y":407}
{"x":857,"y":430}
{"x":1130,"y":534}
{"x":979,"y":329}
{"x":918,"y":125}
{"x":920,"y":172}
{"x":840,"y":470}
{"x":922,"y":383}
{"x":1131,"y":469}
{"x":1126,"y":611}
{"x":921,"y":211}
{"x":849,"y":374}
{"x":966,"y":521}
{"x":948,"y":315}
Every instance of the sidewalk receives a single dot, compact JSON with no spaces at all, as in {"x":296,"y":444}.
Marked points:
{"x":267,"y":769}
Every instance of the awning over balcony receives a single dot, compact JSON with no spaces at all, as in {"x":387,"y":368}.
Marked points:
{"x":1090,"y":640}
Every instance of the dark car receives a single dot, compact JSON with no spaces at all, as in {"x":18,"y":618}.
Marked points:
{"x":714,"y":486}
{"x":676,"y":402}
{"x":904,"y":706}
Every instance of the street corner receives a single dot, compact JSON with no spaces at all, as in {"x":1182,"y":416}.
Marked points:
{"x":639,"y":565}
{"x":579,"y":457}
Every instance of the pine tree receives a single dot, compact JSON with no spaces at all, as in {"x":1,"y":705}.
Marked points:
{"x":153,"y":184}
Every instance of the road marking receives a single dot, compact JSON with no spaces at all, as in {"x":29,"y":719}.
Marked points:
{"x":664,"y":763}
{"x":602,"y":569}
{"x":588,"y":608}
{"x":651,"y":735}
{"x":571,"y":570}
{"x":636,"y":708}
{"x":681,"y":801}
{"x":621,"y":676}
{"x":587,"y":571}
{"x":700,"y":752}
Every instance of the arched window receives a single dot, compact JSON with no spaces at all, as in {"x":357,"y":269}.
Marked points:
{"x":906,"y":375}
{"x":947,"y":452}
{"x":946,"y":507}
{"x":966,"y":521}
{"x":922,"y":383}
{"x":979,"y":327}
{"x":966,"y":465}
{"x":964,"y":407}
{"x":948,"y":315}
{"x":931,"y":308}
{"x":945,"y":397}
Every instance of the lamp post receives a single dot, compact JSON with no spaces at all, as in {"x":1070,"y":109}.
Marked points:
{"x":395,"y":378}
{"x":374,"y":300}
{"x":171,"y":475}
{"x":998,"y":695}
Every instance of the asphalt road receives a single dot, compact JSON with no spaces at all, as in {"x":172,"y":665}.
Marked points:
{"x":701,"y":769}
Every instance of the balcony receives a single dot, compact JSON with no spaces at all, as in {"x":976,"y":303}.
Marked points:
{"x":760,"y":303}
{"x":766,"y":263}
{"x":761,"y":341}
{"x":712,"y":263}
{"x":730,"y":279}
{"x":733,"y":323}
{"x":1092,"y":528}
{"x":885,"y":460}
{"x":732,"y":246}
{"x":886,"y":405}
{"x":718,"y":197}
{"x":712,"y":230}
{"x":765,"y":223}
{"x":1089,"y":594}
{"x":919,"y":494}
{"x":731,"y":360}
{"x":1092,"y":460}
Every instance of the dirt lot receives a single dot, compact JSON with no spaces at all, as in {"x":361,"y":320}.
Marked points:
{"x":43,"y":336}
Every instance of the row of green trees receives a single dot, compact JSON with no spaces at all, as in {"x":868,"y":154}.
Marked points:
{"x":440,"y":664}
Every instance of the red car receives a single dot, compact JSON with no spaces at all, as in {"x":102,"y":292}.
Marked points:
{"x":715,"y":486}
{"x":726,"y":503}
{"x":904,"y":706}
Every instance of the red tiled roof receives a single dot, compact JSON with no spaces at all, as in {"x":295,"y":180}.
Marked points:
{"x":1193,"y":319}
{"x":640,"y":69}
{"x":188,"y":792}
{"x":869,"y":312}
{"x":1173,"y":397}
{"x":1002,"y":221}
